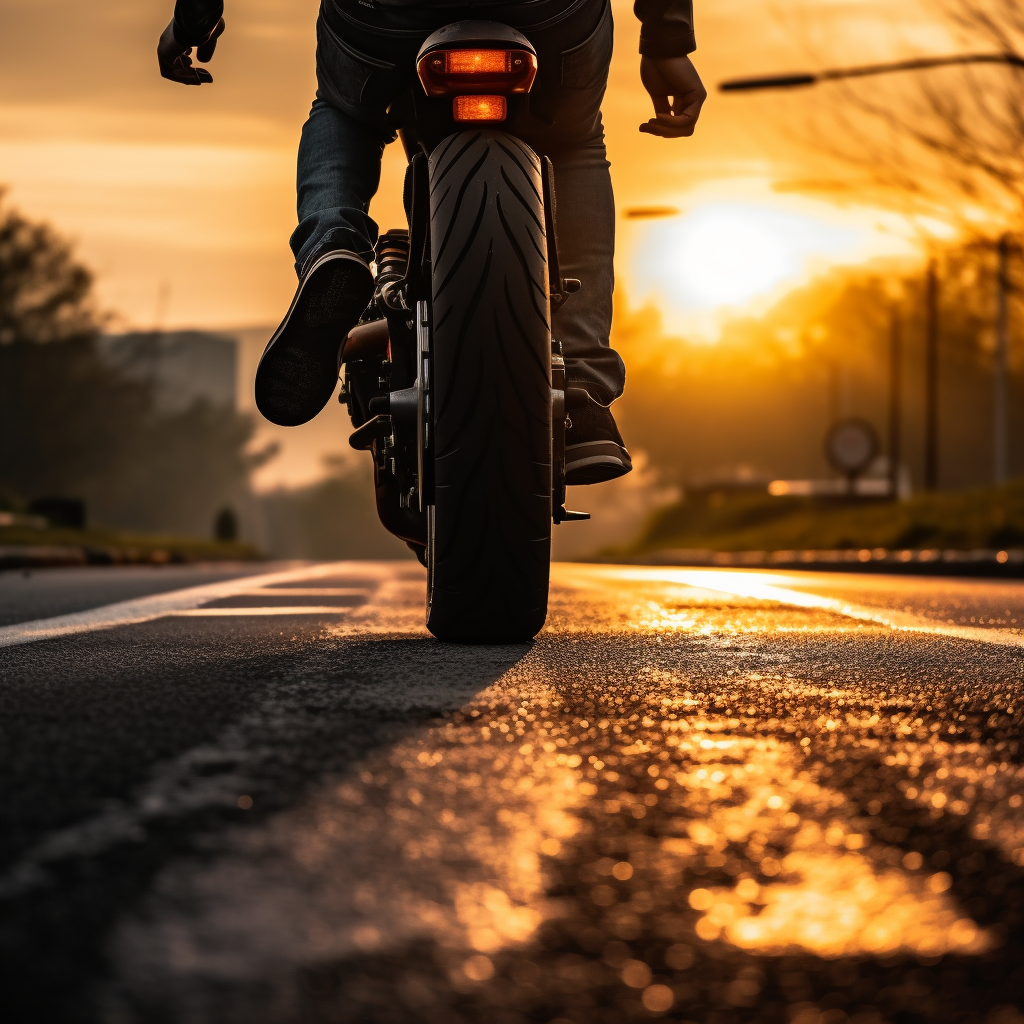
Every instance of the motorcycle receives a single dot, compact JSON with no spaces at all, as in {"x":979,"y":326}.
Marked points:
{"x":452,"y":379}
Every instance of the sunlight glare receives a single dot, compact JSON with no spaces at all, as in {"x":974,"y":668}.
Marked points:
{"x":723,"y":254}
{"x":832,"y":897}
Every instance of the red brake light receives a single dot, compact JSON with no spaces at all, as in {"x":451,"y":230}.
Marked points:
{"x":478,"y":62}
{"x":479,"y":108}
{"x":453,"y":72}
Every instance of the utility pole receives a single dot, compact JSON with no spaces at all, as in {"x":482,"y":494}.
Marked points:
{"x":895,"y":409}
{"x":835,"y":401}
{"x":1000,"y":445}
{"x":931,"y":378}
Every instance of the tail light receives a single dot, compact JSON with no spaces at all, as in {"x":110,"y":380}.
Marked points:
{"x":458,"y":72}
{"x":479,"y":108}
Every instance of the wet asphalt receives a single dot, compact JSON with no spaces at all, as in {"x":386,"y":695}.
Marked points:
{"x":702,"y":796}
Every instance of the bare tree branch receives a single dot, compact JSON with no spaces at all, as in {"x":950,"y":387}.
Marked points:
{"x":947,"y":136}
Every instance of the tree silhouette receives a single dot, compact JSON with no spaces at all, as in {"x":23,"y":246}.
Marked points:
{"x":45,"y":295}
{"x":947,"y":142}
{"x":73,"y":425}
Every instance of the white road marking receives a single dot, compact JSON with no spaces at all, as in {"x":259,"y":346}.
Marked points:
{"x":307,"y":592}
{"x":177,"y":602}
{"x":763,"y":586}
{"x":758,"y":585}
{"x":298,"y":609}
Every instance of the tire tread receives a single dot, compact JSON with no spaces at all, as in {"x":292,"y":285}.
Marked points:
{"x":491,"y":343}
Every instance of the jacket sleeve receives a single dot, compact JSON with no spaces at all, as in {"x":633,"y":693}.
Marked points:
{"x":666,"y":27}
{"x":194,"y":20}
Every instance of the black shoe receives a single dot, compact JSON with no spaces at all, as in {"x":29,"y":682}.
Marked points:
{"x":594,"y":451}
{"x":299,"y":369}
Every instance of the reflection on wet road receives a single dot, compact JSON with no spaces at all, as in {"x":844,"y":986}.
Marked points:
{"x":698,"y":796}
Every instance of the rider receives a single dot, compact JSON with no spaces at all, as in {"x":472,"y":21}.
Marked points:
{"x":365,"y":61}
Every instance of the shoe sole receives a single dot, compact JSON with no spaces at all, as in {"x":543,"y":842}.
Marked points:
{"x":298,"y":372}
{"x":595,"y":462}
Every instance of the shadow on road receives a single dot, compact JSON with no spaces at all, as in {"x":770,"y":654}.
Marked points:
{"x":796,"y":874}
{"x":747,"y":848}
{"x":123,"y":754}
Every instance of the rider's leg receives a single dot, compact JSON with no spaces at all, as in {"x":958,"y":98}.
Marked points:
{"x":595,"y":373}
{"x":586,"y":248}
{"x":565,"y":124}
{"x":339,"y":171}
{"x":338,"y":174}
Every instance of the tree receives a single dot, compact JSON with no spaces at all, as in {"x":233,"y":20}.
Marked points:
{"x":947,"y":142}
{"x":73,"y":425}
{"x":45,"y":295}
{"x":976,"y":124}
{"x":758,"y":402}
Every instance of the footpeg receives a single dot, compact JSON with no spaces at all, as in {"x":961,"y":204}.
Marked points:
{"x":378,"y":429}
{"x":563,"y":515}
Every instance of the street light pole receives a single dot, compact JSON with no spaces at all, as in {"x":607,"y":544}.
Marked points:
{"x":1000,"y":440}
{"x":801,"y":79}
{"x":895,"y":396}
{"x":931,"y":378}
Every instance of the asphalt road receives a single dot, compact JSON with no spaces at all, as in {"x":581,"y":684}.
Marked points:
{"x":265,"y":794}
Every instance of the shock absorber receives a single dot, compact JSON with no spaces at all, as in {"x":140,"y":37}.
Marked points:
{"x":392,"y":257}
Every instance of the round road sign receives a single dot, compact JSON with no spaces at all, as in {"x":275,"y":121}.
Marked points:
{"x":851,"y":445}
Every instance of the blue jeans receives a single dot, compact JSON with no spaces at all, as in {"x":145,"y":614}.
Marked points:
{"x":361,"y":69}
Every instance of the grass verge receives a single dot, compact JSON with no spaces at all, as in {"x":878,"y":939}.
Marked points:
{"x":719,"y":521}
{"x":23,"y":546}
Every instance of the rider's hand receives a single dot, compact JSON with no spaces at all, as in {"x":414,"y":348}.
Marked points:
{"x":678,"y":95}
{"x":176,"y":60}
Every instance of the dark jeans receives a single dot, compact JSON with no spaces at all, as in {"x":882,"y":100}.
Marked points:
{"x":366,"y":61}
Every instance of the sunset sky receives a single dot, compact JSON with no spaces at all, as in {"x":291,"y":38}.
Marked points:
{"x":182,"y":199}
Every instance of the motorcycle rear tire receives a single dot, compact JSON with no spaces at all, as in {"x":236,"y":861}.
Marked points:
{"x":489,"y":529}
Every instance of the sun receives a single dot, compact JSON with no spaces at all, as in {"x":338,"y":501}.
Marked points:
{"x":725,"y":256}
{"x":720,"y":256}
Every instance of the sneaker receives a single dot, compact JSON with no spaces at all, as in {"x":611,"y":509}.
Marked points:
{"x":594,"y":451}
{"x":299,"y":369}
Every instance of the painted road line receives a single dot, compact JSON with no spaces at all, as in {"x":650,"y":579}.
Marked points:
{"x":299,"y":609}
{"x":305,"y":592}
{"x":145,"y":609}
{"x":762,"y":586}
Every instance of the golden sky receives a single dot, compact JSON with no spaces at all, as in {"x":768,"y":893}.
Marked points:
{"x":182,"y":200}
